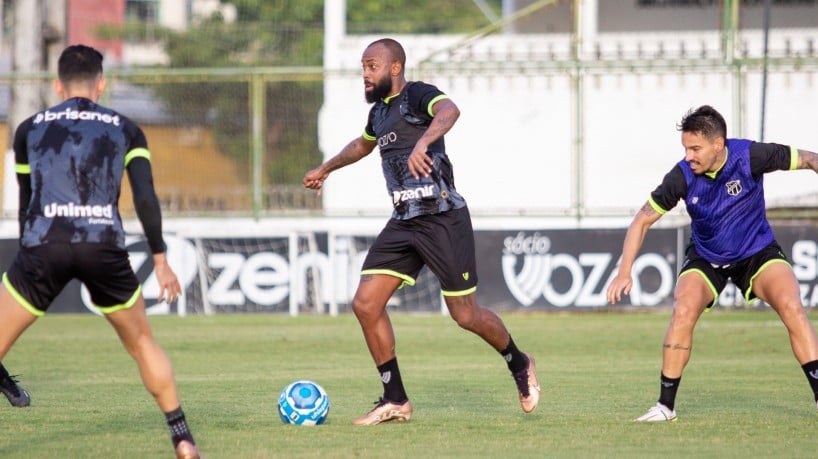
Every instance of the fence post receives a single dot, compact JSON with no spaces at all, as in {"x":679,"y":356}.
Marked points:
{"x":258,"y":101}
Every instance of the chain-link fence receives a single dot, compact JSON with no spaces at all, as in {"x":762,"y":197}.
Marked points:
{"x":235,"y":138}
{"x":222,"y":141}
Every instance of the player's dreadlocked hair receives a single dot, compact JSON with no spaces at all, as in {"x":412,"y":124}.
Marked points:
{"x":79,"y":63}
{"x":704,"y":120}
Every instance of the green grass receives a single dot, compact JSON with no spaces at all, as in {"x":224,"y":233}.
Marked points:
{"x":743,"y":394}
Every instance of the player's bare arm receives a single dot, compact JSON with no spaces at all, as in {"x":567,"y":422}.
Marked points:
{"x":622,"y":282}
{"x":352,"y":152}
{"x":648,"y":211}
{"x":807,"y":160}
{"x":446,"y":114}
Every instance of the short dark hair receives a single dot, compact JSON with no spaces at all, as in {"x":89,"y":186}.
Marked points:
{"x":395,"y":49}
{"x":79,"y":63}
{"x":704,"y":120}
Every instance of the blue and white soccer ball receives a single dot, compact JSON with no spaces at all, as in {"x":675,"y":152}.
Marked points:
{"x":303,"y":403}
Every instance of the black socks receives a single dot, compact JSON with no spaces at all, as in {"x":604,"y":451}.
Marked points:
{"x":178,"y":427}
{"x":667,"y":393}
{"x":811,"y":370}
{"x":516,"y":360}
{"x":392,"y":384}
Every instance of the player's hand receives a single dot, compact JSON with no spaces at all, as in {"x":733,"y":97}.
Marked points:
{"x":169,"y":287}
{"x":314,"y":179}
{"x":420,"y":164}
{"x":621,"y":284}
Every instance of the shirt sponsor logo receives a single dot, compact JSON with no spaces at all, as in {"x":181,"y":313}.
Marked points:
{"x":96,"y":213}
{"x":399,"y":196}
{"x":386,"y":139}
{"x":73,"y":115}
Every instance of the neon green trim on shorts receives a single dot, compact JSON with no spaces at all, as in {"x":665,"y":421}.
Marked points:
{"x":407,"y":280}
{"x":368,"y":137}
{"x":767,"y":263}
{"x":118,"y":307}
{"x":709,"y":284}
{"x":19,"y":298}
{"x":793,"y":158}
{"x":656,"y":206}
{"x":137,"y":153}
{"x":459,"y":292}
{"x":22,"y":168}
{"x":433,"y":102}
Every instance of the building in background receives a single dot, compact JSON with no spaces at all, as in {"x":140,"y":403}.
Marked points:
{"x":47,"y":26}
{"x":565,"y":94}
{"x":628,"y":16}
{"x":560,"y":104}
{"x":67,"y":22}
{"x":141,"y":18}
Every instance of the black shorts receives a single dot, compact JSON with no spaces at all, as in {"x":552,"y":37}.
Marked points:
{"x":38,"y":274}
{"x":741,"y":273}
{"x":444,"y":242}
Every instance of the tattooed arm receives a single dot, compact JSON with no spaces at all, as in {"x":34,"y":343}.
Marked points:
{"x":634,"y":238}
{"x":446,"y":114}
{"x":352,"y":152}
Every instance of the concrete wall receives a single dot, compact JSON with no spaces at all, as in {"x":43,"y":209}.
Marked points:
{"x":528,"y":142}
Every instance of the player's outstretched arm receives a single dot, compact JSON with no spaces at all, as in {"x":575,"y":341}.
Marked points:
{"x":352,"y":152}
{"x":807,"y":160}
{"x":634,"y":238}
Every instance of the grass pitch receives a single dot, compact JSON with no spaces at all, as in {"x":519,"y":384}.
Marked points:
{"x":743,"y":394}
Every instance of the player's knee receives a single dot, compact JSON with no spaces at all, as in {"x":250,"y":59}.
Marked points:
{"x":685,"y":315}
{"x":793,"y":311}
{"x":358,"y":307}
{"x":463,"y":313}
{"x":363,"y":309}
{"x":465,"y":320}
{"x":140,"y":345}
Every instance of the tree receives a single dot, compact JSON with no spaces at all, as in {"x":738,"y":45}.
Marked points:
{"x":291,"y":144}
{"x":285,"y":33}
{"x":417,"y":16}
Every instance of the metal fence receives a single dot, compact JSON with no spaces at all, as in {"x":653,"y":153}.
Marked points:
{"x":223,"y":141}
{"x":237,"y":141}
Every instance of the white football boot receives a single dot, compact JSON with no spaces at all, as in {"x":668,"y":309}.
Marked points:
{"x":657,"y":413}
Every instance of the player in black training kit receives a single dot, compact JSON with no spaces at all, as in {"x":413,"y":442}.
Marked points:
{"x":70,"y":159}
{"x":430,"y":225}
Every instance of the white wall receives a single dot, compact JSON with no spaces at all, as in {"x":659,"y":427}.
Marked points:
{"x":514,"y":148}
